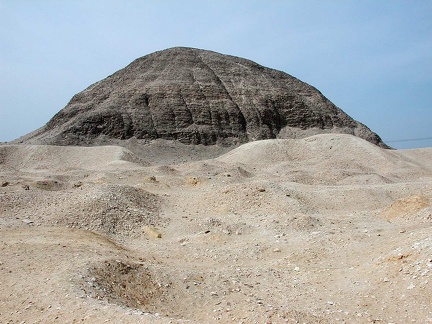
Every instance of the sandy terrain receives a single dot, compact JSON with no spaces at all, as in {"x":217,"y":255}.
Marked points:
{"x":327,"y":229}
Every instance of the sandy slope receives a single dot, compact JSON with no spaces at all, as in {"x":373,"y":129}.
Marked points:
{"x":325,"y":229}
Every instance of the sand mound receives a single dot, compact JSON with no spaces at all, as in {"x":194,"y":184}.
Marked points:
{"x":406,"y":208}
{"x":421,"y":156}
{"x":336,"y":150}
{"x":113,"y":210}
{"x":64,"y":158}
{"x":314,"y":156}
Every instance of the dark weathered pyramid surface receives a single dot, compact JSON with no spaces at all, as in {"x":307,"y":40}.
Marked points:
{"x":196,"y":97}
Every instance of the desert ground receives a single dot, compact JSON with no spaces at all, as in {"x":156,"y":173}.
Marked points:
{"x":326,"y":229}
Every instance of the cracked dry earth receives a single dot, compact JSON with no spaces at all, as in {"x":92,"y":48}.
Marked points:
{"x":327,"y":229}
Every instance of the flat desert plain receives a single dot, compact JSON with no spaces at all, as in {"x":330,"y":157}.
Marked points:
{"x":326,"y":229}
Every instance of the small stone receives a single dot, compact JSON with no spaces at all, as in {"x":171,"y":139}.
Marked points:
{"x":276,"y":250}
{"x":78,"y":184}
{"x":5,"y":184}
{"x":27,"y":221}
{"x":411,"y":286}
{"x":152,"y":232}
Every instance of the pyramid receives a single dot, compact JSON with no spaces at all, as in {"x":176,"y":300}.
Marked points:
{"x":196,"y":96}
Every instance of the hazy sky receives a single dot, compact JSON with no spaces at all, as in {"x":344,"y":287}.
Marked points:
{"x":372,"y":58}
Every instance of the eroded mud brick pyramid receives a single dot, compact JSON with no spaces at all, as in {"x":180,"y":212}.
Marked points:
{"x":196,"y":97}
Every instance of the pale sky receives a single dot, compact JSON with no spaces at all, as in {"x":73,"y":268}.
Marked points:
{"x":371,"y":58}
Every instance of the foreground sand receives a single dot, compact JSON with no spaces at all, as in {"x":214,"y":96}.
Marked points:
{"x":326,"y":229}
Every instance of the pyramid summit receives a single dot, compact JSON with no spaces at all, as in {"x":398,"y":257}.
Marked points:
{"x":196,"y":96}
